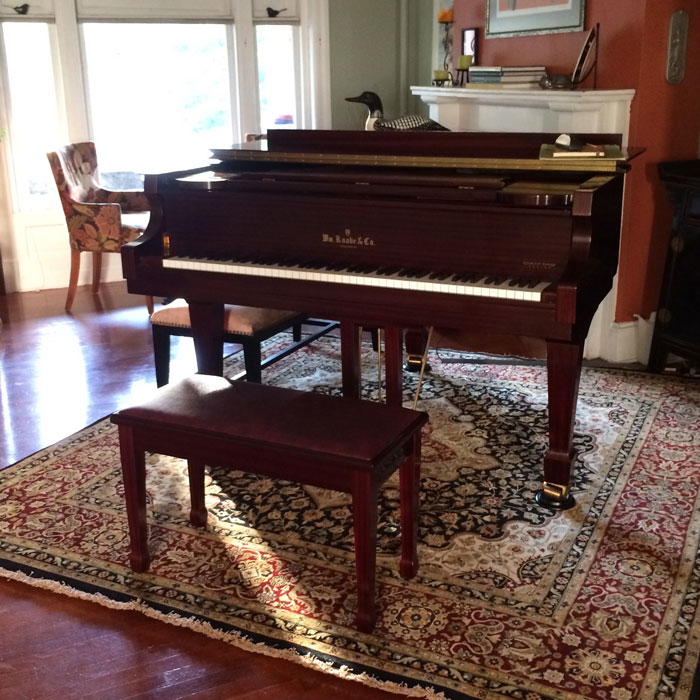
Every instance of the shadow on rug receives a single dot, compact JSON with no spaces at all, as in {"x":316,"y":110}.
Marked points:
{"x":511,"y":600}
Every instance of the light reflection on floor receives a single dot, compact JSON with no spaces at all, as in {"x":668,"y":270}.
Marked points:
{"x":60,"y":384}
{"x":61,"y":372}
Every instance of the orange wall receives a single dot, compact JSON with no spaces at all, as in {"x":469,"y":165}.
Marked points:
{"x":665,"y":118}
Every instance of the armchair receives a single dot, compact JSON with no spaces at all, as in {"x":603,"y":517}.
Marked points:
{"x":98,"y":220}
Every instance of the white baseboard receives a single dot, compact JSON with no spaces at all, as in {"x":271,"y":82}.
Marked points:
{"x":52,"y":271}
{"x":616,"y":342}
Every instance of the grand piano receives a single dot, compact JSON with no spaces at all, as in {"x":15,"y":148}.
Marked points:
{"x":396,"y":230}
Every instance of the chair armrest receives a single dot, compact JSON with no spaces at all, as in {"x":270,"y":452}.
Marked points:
{"x":89,"y":211}
{"x":130,"y":201}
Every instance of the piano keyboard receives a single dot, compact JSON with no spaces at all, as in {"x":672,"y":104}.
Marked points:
{"x":519,"y":289}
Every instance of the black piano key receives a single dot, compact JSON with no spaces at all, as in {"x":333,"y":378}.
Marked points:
{"x":468,"y":277}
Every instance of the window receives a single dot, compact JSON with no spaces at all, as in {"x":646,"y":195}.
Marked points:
{"x":32,"y":111}
{"x":160,"y":107}
{"x":155,"y":85}
{"x":278,"y":90}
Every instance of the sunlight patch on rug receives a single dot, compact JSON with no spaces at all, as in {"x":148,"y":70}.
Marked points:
{"x":510,"y":601}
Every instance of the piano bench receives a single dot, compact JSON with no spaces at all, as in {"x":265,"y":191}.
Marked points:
{"x":246,"y":325}
{"x":346,"y":445}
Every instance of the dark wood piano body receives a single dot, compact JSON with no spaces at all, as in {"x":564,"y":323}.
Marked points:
{"x":447,"y":202}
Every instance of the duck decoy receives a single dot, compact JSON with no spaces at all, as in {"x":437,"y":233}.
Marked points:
{"x":376,"y":121}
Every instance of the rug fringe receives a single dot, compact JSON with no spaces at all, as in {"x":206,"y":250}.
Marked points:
{"x":234,"y":638}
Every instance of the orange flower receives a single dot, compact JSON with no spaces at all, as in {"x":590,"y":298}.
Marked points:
{"x":108,"y":221}
{"x":446,"y":16}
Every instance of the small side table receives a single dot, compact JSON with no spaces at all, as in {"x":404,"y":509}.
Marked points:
{"x":677,"y":329}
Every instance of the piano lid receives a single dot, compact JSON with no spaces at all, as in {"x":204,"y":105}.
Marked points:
{"x":450,"y":149}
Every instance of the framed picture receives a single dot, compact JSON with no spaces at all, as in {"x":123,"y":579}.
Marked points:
{"x":470,"y":44}
{"x":518,"y":17}
{"x":587,"y":58}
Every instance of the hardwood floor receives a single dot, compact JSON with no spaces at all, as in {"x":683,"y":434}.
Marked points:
{"x":59,"y":373}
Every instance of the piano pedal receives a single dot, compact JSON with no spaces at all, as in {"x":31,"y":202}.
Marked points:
{"x":423,"y":366}
{"x":414,"y":363}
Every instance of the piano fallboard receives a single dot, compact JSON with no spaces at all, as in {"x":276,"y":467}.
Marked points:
{"x":372,"y":230}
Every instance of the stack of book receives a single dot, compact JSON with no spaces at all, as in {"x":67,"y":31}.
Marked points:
{"x":507,"y":76}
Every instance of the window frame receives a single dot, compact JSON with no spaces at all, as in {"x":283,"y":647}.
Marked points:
{"x":312,"y":61}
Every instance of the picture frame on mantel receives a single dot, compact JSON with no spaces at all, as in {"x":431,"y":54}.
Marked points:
{"x":470,"y":44}
{"x":505,"y":18}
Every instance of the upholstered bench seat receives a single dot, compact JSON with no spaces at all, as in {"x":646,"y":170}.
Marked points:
{"x":248,"y":326}
{"x":242,"y":320}
{"x":342,"y":444}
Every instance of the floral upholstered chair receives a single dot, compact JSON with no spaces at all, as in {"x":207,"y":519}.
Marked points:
{"x":94,"y":216}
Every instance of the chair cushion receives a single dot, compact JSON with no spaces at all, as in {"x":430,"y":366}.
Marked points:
{"x":241,"y":320}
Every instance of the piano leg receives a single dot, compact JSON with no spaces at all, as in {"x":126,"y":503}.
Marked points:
{"x":350,"y":358}
{"x":207,"y":321}
{"x":393,"y":355}
{"x":563,"y":374}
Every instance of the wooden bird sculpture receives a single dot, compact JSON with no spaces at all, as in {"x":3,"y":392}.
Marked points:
{"x":376,"y":121}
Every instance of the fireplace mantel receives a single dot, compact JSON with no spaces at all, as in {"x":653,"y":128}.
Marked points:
{"x":529,"y":109}
{"x":550,"y":111}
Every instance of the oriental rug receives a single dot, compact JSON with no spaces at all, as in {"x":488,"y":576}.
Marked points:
{"x":512,"y":601}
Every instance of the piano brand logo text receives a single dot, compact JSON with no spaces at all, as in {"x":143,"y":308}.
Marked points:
{"x":347,"y":239}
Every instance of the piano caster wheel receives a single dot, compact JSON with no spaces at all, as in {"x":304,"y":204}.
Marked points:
{"x":413,"y":364}
{"x":545,"y":500}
